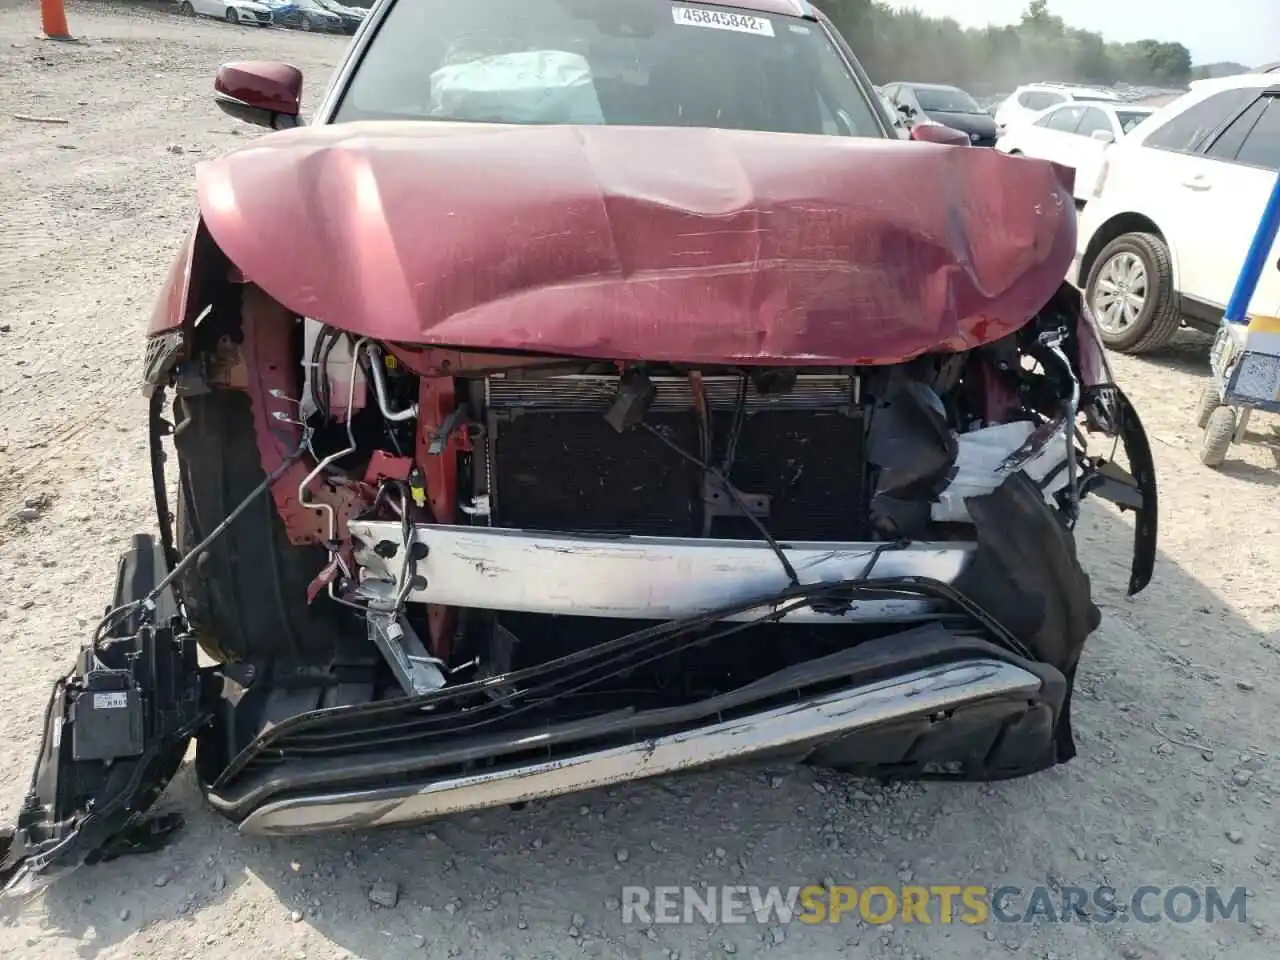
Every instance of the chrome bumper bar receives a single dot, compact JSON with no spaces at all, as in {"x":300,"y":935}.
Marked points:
{"x":821,"y":719}
{"x":643,"y":578}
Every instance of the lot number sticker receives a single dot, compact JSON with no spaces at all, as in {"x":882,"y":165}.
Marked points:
{"x":719,"y":20}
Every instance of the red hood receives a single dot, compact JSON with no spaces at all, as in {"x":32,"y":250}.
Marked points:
{"x":630,"y":242}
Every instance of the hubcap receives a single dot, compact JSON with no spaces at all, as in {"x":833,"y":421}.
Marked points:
{"x":1120,"y":292}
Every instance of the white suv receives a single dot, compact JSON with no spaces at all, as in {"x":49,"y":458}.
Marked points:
{"x":1174,"y":210}
{"x":1029,"y":100}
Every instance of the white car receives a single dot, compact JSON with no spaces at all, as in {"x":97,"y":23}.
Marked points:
{"x":1174,"y":210}
{"x":1075,"y":135}
{"x":232,"y":11}
{"x":1031,"y":99}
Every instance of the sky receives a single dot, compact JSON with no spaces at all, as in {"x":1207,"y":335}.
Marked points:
{"x":1247,"y":31}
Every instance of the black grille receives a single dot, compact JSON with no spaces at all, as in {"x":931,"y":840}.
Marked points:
{"x":572,"y":471}
{"x":568,"y":470}
{"x":809,"y":463}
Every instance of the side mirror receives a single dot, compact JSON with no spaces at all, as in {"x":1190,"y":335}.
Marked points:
{"x":1103,"y":136}
{"x":261,"y":92}
{"x":937,"y":133}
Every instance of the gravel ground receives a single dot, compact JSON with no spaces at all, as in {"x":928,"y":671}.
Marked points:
{"x":1175,"y":783}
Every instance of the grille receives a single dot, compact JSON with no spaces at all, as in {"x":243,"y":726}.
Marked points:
{"x":556,"y":464}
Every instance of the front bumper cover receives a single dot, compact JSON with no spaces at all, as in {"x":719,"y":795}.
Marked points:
{"x":802,"y":728}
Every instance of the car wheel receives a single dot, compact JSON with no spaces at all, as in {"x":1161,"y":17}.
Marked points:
{"x":232,"y":15}
{"x":1130,"y":291}
{"x":1219,"y":431}
{"x":307,"y":25}
{"x":246,"y":596}
{"x":187,"y":10}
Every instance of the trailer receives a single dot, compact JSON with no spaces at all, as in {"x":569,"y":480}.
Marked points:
{"x":1245,"y":359}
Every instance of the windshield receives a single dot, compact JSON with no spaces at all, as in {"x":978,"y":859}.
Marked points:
{"x":632,"y":62}
{"x":1131,"y":118}
{"x":946,"y":100}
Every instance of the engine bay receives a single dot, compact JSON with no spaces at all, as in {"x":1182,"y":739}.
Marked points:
{"x":423,"y":443}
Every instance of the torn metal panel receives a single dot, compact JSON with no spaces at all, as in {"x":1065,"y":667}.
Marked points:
{"x":649,"y":578}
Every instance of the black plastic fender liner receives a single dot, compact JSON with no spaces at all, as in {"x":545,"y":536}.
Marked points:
{"x":1026,"y":573}
{"x":1146,"y":526}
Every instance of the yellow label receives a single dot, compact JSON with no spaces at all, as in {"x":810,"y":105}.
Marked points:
{"x":1264,"y":324}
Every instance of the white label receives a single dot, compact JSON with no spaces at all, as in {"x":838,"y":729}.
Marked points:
{"x":720,"y":20}
{"x":110,"y":701}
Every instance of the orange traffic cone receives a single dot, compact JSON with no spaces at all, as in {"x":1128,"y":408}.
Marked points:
{"x":53,"y":20}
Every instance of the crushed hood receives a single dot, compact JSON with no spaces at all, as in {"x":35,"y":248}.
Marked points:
{"x":626,"y":243}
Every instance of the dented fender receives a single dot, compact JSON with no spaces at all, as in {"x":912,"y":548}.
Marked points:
{"x":178,"y":305}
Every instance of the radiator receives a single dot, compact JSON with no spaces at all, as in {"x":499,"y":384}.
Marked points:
{"x":555,"y":464}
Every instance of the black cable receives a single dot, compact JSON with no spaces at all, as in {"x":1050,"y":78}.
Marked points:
{"x":735,"y":431}
{"x":778,"y":552}
{"x":58,"y":686}
{"x":326,"y":340}
{"x":113,"y":617}
{"x":159,"y":491}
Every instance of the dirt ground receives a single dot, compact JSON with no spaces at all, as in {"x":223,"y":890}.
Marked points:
{"x":1176,"y":716}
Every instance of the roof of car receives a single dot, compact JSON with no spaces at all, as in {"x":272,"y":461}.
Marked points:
{"x":1236,"y":81}
{"x":791,"y":8}
{"x":927,"y":86}
{"x":1070,"y":89}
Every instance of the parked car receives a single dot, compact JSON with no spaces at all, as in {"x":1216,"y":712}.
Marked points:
{"x":1075,"y":135}
{"x":602,"y":397}
{"x":949,"y":106}
{"x":1174,"y":209}
{"x":233,"y":11}
{"x":279,"y":8}
{"x":1027,"y":102}
{"x":306,"y":15}
{"x":351,"y":17}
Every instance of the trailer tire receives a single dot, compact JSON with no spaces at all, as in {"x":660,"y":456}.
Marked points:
{"x":247,"y":596}
{"x":1218,"y":434}
{"x":1210,"y":400}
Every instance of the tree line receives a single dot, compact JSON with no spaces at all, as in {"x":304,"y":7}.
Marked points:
{"x":906,"y":45}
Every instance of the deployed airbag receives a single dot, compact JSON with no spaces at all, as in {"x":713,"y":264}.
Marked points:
{"x":536,"y":86}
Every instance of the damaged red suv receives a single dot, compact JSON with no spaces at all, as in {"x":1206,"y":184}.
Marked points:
{"x":593,"y":389}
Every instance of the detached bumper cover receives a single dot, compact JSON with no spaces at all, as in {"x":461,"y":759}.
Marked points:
{"x":806,"y":725}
